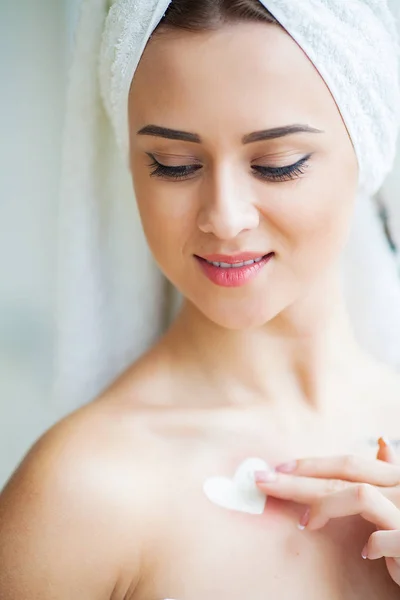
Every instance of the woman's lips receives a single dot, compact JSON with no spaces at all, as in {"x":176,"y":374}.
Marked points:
{"x":233,"y":258}
{"x":233,"y":276}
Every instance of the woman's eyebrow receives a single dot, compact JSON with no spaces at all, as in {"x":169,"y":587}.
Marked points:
{"x":256,"y":136}
{"x":277,"y":132}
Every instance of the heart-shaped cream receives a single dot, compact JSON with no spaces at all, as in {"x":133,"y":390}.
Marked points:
{"x":240,"y":493}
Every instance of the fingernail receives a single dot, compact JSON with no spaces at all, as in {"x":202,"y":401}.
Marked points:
{"x":304,"y":520}
{"x":265,"y":476}
{"x":364,"y":552}
{"x":288,"y":467}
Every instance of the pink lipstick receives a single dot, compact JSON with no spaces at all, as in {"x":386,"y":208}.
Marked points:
{"x":233,"y":270}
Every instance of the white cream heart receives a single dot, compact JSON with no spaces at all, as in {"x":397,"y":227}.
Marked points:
{"x":240,"y":493}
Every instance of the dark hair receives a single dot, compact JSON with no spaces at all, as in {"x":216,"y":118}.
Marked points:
{"x":206,"y":15}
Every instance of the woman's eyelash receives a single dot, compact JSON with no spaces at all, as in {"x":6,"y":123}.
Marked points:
{"x":270,"y":173}
{"x":284,"y":173}
{"x":181,"y":172}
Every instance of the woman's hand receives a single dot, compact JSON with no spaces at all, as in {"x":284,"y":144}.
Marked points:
{"x":343,"y":486}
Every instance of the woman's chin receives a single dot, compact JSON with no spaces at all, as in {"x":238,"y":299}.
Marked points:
{"x":238,"y":318}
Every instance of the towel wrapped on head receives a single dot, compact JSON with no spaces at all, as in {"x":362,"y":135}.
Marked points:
{"x":354,"y":45}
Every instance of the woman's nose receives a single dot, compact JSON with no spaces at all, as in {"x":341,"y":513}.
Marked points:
{"x":227,"y":211}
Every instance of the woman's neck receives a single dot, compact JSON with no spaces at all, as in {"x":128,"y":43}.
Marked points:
{"x":305,"y":358}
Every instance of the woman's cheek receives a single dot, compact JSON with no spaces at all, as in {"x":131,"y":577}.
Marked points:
{"x":169,"y":232}
{"x":311,"y":228}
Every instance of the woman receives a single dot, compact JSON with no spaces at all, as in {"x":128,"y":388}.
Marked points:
{"x":246,"y":181}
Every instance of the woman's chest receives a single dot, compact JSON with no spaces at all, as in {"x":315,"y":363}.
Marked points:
{"x":198,"y":549}
{"x":209,"y":552}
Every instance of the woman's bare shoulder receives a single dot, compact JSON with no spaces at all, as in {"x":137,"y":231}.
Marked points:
{"x":77,"y":493}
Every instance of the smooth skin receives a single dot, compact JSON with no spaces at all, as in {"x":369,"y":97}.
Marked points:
{"x":108,"y":504}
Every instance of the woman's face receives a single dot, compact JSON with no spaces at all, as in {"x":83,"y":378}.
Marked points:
{"x":222,"y":191}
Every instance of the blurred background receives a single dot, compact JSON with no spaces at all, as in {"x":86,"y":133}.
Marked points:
{"x":35,"y":41}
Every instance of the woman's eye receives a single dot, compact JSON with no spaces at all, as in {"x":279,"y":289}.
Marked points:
{"x":283,"y":173}
{"x":269,"y":173}
{"x":165,"y":172}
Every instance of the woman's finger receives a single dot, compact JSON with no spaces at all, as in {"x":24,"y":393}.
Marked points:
{"x":383,"y":544}
{"x":363,"y":499}
{"x":304,"y":490}
{"x":386,"y":451}
{"x":348,"y":468}
{"x":308,"y":490}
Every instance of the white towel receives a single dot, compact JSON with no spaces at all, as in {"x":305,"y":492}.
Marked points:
{"x":112,"y":300}
{"x":110,"y":294}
